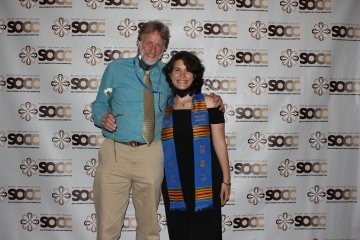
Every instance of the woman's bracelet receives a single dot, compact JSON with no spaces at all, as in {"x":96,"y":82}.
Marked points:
{"x":229,"y":184}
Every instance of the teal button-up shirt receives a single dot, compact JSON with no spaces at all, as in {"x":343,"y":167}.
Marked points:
{"x":124,"y":77}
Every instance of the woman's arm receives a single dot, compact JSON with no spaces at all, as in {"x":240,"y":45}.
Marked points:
{"x":218,"y":137}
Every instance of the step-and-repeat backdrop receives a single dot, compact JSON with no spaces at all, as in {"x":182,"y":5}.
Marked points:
{"x":287,"y":70}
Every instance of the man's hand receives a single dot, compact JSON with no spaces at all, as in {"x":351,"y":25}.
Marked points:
{"x":218,"y":102}
{"x":109,"y":122}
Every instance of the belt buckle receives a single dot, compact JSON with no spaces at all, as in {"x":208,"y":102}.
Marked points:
{"x":133,"y":143}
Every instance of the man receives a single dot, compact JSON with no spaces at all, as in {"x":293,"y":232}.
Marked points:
{"x":126,"y":160}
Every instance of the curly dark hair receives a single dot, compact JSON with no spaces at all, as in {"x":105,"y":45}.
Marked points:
{"x":193,"y":65}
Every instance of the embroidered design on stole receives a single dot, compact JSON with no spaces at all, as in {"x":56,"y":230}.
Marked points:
{"x":202,"y":157}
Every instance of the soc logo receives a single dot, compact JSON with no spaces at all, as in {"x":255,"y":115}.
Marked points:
{"x":320,"y":5}
{"x":310,"y":221}
{"x":248,"y":168}
{"x":280,"y":195}
{"x":315,"y":58}
{"x":115,"y":54}
{"x":257,"y":4}
{"x":314,"y":113}
{"x":126,"y":3}
{"x":23,"y":139}
{"x":199,"y":54}
{"x":19,"y":83}
{"x":284,"y":31}
{"x":88,"y":27}
{"x":350,"y":141}
{"x":311,"y":167}
{"x":346,"y":32}
{"x":283,"y":141}
{"x":52,"y":2}
{"x":55,"y":167}
{"x":217,"y":29}
{"x":85,"y":140}
{"x":56,"y":222}
{"x":26,"y":26}
{"x":256,"y":113}
{"x":220,"y":85}
{"x":341,"y":194}
{"x":85,"y":83}
{"x":24,"y":194}
{"x":346,"y":87}
{"x":51,"y":55}
{"x":252,"y":57}
{"x":291,"y":86}
{"x":248,"y":222}
{"x":54,"y":111}
{"x":129,"y":223}
{"x":185,"y":3}
{"x":82,"y":195}
{"x":230,"y":142}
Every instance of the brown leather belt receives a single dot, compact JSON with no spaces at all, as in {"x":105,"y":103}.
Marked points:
{"x":133,"y":143}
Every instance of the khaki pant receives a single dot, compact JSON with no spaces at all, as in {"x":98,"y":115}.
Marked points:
{"x":137,"y":168}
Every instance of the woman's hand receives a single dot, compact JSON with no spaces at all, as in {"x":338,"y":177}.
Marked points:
{"x":225,"y":193}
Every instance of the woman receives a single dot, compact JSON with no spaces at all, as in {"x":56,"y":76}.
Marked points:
{"x":197,"y":177}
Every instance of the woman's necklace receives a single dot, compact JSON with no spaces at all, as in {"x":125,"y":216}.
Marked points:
{"x":184,"y":103}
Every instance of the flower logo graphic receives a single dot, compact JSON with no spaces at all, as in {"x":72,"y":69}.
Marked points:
{"x":90,"y":223}
{"x":29,"y":221}
{"x":93,"y":55}
{"x":160,"y":4}
{"x":28,"y":55}
{"x":286,"y":168}
{"x":316,"y":194}
{"x":127,"y":27}
{"x":317,"y":140}
{"x":257,"y":141}
{"x":225,"y":57}
{"x":258,"y":30}
{"x":289,"y":113}
{"x":90,"y":167}
{"x":60,"y":83}
{"x":289,"y":58}
{"x":28,"y":111}
{"x":2,"y":82}
{"x":193,"y":28}
{"x":61,"y":139}
{"x":321,"y":31}
{"x":284,"y":221}
{"x":61,"y":27}
{"x":2,"y":26}
{"x":28,"y":167}
{"x":320,"y":86}
{"x":61,"y":195}
{"x":87,"y":112}
{"x":94,"y":4}
{"x":255,"y":196}
{"x":226,"y":223}
{"x":162,"y":222}
{"x":3,"y":194}
{"x":257,"y":85}
{"x":289,"y":5}
{"x":225,"y":5}
{"x":229,"y":112}
{"x":3,"y":139}
{"x":28,"y":3}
